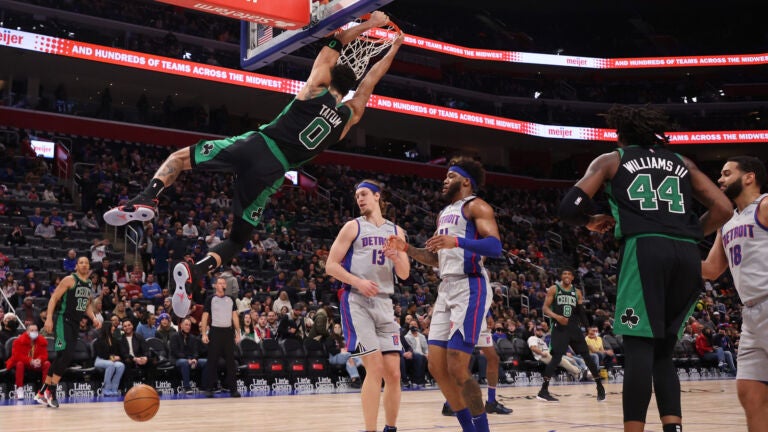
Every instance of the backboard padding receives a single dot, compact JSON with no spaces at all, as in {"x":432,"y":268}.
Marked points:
{"x":325,"y":19}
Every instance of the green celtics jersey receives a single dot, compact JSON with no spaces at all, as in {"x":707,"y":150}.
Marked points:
{"x":307,"y":127}
{"x":75,"y":300}
{"x":651,"y":193}
{"x":565,"y":301}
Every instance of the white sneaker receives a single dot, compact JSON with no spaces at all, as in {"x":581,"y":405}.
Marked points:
{"x":184,"y":280}
{"x":20,"y":393}
{"x":42,"y":398}
{"x":137,"y":209}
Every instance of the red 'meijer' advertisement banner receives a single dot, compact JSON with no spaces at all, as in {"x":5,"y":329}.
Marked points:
{"x":103,"y":54}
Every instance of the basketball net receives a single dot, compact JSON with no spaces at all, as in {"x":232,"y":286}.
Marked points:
{"x":358,"y":53}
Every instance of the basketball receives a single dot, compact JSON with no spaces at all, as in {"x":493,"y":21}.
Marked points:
{"x":141,"y":402}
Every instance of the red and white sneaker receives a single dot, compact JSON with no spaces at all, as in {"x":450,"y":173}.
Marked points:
{"x":185,"y":279}
{"x":137,"y":209}
{"x":43,"y":398}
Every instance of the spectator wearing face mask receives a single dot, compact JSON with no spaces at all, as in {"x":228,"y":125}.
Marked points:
{"x":89,"y":222}
{"x":9,"y":327}
{"x":29,"y":352}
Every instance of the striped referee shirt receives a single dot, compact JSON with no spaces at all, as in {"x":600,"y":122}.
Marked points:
{"x":220,"y":309}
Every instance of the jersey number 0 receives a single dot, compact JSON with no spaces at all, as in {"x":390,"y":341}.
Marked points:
{"x":315,"y":133}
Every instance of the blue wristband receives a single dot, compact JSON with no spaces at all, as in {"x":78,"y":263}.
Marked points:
{"x":488,"y":246}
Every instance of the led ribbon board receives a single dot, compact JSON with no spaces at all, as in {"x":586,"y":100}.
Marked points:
{"x":103,"y":54}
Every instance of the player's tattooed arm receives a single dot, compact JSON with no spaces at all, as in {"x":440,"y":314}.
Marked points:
{"x":170,"y":170}
{"x":170,"y":167}
{"x":423,"y":256}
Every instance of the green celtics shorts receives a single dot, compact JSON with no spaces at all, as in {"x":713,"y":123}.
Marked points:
{"x":65,"y":333}
{"x":659,"y":283}
{"x":257,"y":163}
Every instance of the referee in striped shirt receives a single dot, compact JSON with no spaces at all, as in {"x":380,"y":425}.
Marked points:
{"x":221,"y":310}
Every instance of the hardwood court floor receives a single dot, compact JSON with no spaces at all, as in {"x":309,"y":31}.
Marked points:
{"x":707,"y":406}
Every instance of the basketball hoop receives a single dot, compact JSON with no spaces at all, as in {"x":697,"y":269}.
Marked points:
{"x":358,"y":53}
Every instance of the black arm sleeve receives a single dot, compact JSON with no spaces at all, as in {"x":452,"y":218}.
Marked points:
{"x":576,"y":207}
{"x":333,"y":43}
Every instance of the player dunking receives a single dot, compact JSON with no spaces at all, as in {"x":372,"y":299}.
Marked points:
{"x":359,"y":260}
{"x":563,"y":305}
{"x":651,"y":192}
{"x":313,"y":121}
{"x":745,"y":238}
{"x":466,"y":232}
{"x":69,"y":302}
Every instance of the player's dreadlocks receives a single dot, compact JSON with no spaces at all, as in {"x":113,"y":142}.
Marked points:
{"x":643,"y":126}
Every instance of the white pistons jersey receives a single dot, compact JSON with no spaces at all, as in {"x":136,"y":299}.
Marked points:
{"x":452,"y":222}
{"x":745,"y":242}
{"x":365,"y":257}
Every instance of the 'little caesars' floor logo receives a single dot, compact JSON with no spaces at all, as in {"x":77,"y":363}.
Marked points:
{"x":281,"y":386}
{"x":260,"y":386}
{"x":164,"y":387}
{"x":629,"y":318}
{"x":303,"y":386}
{"x":324,"y":385}
{"x":81,"y":389}
{"x":241,"y":387}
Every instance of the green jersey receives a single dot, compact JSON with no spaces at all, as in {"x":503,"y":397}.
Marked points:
{"x":75,"y":301}
{"x":651,"y":193}
{"x":307,"y":127}
{"x":565,"y":301}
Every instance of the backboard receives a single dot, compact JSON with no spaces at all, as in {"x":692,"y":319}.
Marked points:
{"x":260,"y":44}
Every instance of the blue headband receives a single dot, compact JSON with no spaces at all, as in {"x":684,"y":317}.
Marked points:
{"x":370,"y":186}
{"x":459,"y":170}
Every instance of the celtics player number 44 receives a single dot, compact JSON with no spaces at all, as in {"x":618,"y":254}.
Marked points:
{"x":641,"y":189}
